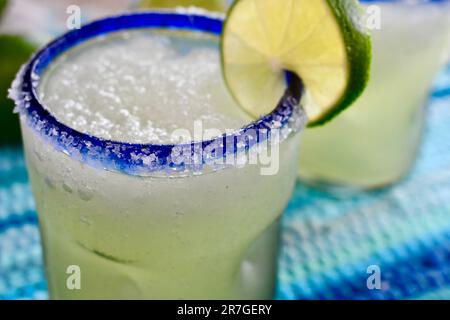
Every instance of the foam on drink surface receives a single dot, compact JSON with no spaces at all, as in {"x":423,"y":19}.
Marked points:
{"x":140,"y":86}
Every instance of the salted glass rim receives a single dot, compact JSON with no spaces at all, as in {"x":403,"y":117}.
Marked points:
{"x":139,"y":158}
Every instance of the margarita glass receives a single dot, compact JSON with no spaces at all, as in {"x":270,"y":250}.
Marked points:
{"x":375,"y":142}
{"x":137,"y":220}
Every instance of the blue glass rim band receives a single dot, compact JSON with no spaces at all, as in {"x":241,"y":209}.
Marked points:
{"x":142,"y":159}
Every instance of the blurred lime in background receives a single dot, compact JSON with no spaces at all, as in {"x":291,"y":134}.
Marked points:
{"x":213,"y":5}
{"x":2,"y":6}
{"x":14,"y":51}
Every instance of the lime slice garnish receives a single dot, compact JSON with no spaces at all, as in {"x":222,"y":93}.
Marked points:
{"x":213,"y":5}
{"x":322,"y":41}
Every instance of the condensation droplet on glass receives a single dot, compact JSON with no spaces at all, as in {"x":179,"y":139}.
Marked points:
{"x":85,"y":194}
{"x":67,"y":188}
{"x":49,"y":183}
{"x":86,"y":220}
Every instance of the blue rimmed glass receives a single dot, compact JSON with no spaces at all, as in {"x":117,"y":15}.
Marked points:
{"x":160,"y":229}
{"x":114,"y":155}
{"x":375,"y":142}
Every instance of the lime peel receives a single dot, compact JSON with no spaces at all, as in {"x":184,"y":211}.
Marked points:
{"x":320,"y":41}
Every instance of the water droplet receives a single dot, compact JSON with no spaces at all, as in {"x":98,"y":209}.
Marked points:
{"x":49,"y":183}
{"x":38,"y":156}
{"x":67,"y":188}
{"x":85,"y":194}
{"x":86,"y":220}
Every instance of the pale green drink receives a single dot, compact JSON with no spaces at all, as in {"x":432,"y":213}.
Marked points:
{"x":208,"y":234}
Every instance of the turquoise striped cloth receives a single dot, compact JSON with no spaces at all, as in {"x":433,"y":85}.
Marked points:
{"x":329,"y":239}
